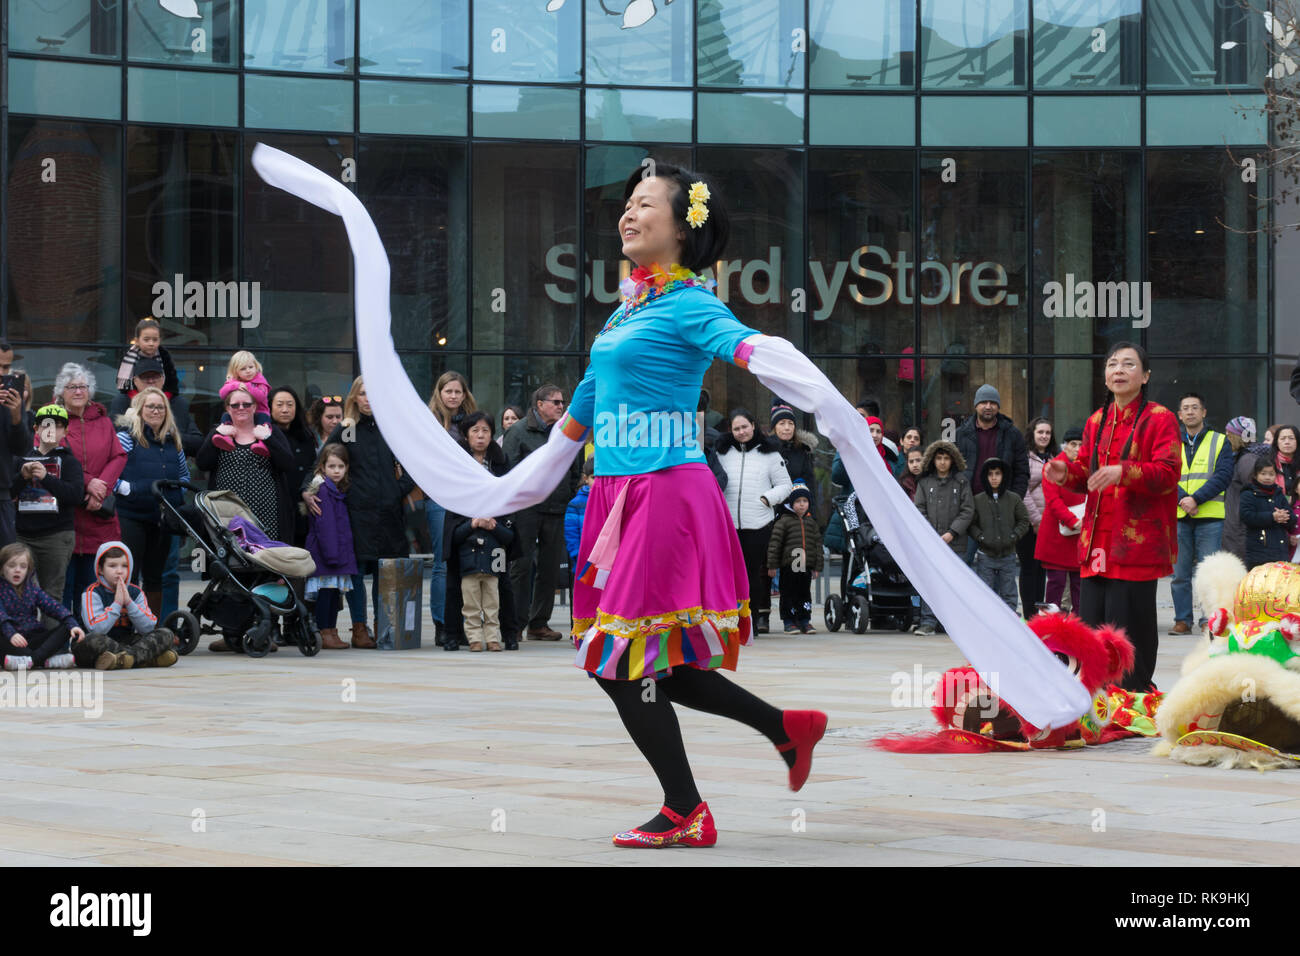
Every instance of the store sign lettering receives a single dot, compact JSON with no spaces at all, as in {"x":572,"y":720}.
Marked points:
{"x":886,"y":277}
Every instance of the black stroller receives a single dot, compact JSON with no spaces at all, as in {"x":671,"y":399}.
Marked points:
{"x":876,"y":593}
{"x":250,"y":598}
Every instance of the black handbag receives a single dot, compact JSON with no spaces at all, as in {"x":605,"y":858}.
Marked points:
{"x":106,"y":508}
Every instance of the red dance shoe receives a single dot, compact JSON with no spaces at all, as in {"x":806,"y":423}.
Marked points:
{"x":695,"y":829}
{"x":804,"y":728}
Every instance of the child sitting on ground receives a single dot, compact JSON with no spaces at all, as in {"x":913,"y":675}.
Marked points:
{"x":245,"y":372}
{"x":147,"y":344}
{"x":123,"y":631}
{"x":1001,"y":519}
{"x":576,"y":511}
{"x":481,"y":545}
{"x":24,"y":640}
{"x":795,"y":548}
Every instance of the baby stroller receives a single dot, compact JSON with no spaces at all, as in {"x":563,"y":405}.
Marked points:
{"x":250,"y":598}
{"x":876,"y":594}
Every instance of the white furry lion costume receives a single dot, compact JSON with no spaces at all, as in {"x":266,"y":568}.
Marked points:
{"x":1238,"y":702}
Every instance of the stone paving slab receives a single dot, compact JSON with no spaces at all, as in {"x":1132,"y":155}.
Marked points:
{"x":423,"y":757}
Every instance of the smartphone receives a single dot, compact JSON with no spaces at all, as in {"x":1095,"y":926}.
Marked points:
{"x":15,"y":380}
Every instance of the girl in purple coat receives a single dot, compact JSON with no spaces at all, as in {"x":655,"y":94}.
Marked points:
{"x":329,"y":539}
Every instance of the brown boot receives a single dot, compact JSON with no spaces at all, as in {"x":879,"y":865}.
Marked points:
{"x":329,"y":639}
{"x":361,"y":636}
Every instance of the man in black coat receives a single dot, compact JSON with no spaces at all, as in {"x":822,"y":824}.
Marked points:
{"x":990,"y":434}
{"x":15,"y":439}
{"x":541,"y":527}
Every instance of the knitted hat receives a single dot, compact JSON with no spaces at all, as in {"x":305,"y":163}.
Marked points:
{"x":146,"y":365}
{"x":1243,"y":426}
{"x":56,"y":412}
{"x":800,"y":491}
{"x":987,"y":393}
{"x":1072,"y":434}
{"x":781,"y":413}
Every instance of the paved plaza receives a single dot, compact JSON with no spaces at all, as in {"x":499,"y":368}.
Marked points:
{"x":424,"y":757}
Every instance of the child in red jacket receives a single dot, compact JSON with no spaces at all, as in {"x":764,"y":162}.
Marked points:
{"x":1057,"y":547}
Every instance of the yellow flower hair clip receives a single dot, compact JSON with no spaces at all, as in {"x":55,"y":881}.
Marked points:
{"x":698,"y":214}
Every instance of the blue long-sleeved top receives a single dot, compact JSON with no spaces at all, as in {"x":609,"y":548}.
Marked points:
{"x":19,"y":608}
{"x":642,"y":386}
{"x":1218,"y":483}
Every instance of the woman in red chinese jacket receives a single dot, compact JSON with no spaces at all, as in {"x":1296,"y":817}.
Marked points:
{"x":1130,"y":464}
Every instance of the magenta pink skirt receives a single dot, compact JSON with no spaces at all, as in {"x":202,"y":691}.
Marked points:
{"x":676,"y":592}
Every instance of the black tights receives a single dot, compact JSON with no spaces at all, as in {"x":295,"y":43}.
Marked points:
{"x":647,"y":713}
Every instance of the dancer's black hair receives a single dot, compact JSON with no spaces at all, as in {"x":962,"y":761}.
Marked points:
{"x":1146,"y":367}
{"x":701,"y":246}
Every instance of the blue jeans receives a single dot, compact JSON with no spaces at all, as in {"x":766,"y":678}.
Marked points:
{"x":357,"y":596}
{"x":434,"y":514}
{"x":1002,"y":575}
{"x":1197,"y":538}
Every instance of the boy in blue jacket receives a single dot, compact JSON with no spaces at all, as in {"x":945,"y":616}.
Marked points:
{"x":576,"y":511}
{"x":123,"y":630}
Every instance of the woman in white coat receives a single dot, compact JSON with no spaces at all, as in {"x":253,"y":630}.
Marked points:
{"x":757,"y":482}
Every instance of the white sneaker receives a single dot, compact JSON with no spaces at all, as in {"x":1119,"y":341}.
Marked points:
{"x":60,"y":661}
{"x":17,"y":662}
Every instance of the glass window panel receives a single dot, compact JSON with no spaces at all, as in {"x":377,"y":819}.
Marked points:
{"x":862,"y":44}
{"x":868,"y":120}
{"x":49,"y":87}
{"x":607,"y":172}
{"x":948,"y":385}
{"x":206,"y":37}
{"x":973,"y":43}
{"x":1200,"y":120}
{"x":291,"y":102}
{"x":69,"y":29}
{"x":641,"y":43}
{"x":1186,"y":40}
{"x":1087,"y":45}
{"x":525,"y":208}
{"x":423,"y":369}
{"x":314,"y":37}
{"x":634,"y":115}
{"x":973,"y":265}
{"x":763,"y":261}
{"x":182,"y":96}
{"x":878,"y":380}
{"x":501,"y":380}
{"x":750,"y":118}
{"x":1087,"y":120}
{"x":1208,"y":273}
{"x":750,"y":43}
{"x":415,"y":109}
{"x":974,"y":121}
{"x":527,"y":42}
{"x":1066,"y":392}
{"x":63,"y":238}
{"x":417,"y":195}
{"x":860,"y":222}
{"x":533,"y":112}
{"x":298,"y":254}
{"x":41,"y":363}
{"x":1088,"y":240}
{"x":181,"y":229}
{"x":415,"y":37}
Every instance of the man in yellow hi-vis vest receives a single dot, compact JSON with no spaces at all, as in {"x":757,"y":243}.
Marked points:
{"x":1207,"y":471}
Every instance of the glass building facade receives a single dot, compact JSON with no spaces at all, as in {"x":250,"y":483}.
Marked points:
{"x":926,"y":195}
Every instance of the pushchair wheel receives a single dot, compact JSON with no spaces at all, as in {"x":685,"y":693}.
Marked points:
{"x":834,"y":612}
{"x":257,"y":642}
{"x":308,"y":638}
{"x":186,"y":628}
{"x":859,"y":614}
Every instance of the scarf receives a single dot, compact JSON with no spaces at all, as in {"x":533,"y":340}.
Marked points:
{"x":880,"y":445}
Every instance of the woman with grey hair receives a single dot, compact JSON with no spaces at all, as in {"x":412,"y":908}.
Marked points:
{"x":92,"y":440}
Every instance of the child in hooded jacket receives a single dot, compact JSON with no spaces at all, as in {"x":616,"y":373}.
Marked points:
{"x":329,"y":539}
{"x":24,"y":641}
{"x":795,"y":549}
{"x":123,"y":631}
{"x":1001,"y":520}
{"x":943,"y":495}
{"x":1266,"y":513}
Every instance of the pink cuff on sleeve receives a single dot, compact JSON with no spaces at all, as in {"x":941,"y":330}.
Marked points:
{"x":743,"y":351}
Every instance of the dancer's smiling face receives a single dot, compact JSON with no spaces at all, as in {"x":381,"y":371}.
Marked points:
{"x":648,"y":228}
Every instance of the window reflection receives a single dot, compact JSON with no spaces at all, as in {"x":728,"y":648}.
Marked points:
{"x":68,"y":29}
{"x":415,"y":37}
{"x":654,"y":52}
{"x":862,"y":44}
{"x":1087,"y":45}
{"x":64,"y":245}
{"x":967,"y":44}
{"x":750,"y":43}
{"x":311,"y":35}
{"x":1199,"y":43}
{"x":158,"y":33}
{"x":517,"y":40}
{"x":948,"y":385}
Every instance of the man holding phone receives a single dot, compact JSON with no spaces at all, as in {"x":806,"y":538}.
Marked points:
{"x":15,"y":438}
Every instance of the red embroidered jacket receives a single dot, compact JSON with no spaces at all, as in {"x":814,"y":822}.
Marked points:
{"x":1130,"y":529}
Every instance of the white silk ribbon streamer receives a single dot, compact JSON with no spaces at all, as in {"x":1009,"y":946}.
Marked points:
{"x":431,"y":456}
{"x":1014,"y":663}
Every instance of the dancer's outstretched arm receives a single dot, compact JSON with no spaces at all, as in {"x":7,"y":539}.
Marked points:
{"x":432,"y":457}
{"x":1014,"y":663}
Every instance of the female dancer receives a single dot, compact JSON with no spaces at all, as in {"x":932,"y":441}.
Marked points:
{"x":1130,"y":463}
{"x":665,"y":592}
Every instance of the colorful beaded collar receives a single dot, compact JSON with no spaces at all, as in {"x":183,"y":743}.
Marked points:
{"x":645,"y":285}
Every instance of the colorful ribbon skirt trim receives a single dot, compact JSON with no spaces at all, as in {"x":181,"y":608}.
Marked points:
{"x":706,"y":643}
